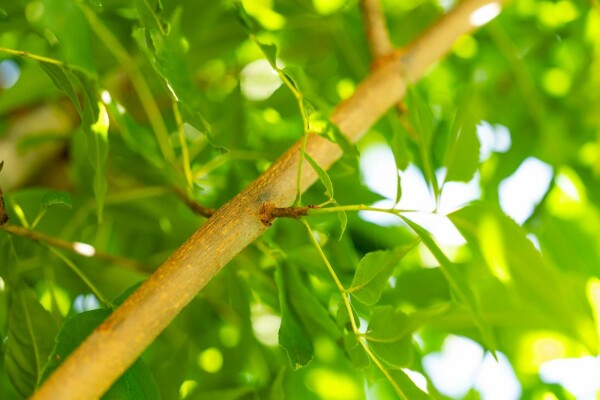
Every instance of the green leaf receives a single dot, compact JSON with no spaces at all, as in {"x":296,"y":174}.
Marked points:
{"x":462,"y":156}
{"x":388,"y":337}
{"x":398,"y":145}
{"x":166,"y":53}
{"x":458,"y":284}
{"x":419,"y":115}
{"x":245,"y":18}
{"x":53,"y":198}
{"x":136,"y":383}
{"x":148,"y":14}
{"x":137,"y":138}
{"x":293,"y":337}
{"x":310,"y":311}
{"x":374,"y":271}
{"x":65,"y":26}
{"x":31,"y":331}
{"x":354,"y":350}
{"x":322,"y":174}
{"x":60,"y":78}
{"x":343,"y":218}
{"x":94,"y":120}
{"x":270,"y":52}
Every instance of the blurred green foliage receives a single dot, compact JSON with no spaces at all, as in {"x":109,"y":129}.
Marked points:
{"x":182,"y":96}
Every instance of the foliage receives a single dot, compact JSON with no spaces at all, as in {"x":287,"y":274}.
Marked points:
{"x":193,"y":100}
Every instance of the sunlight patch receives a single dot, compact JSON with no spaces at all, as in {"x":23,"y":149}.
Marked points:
{"x":578,"y":375}
{"x":485,"y":14}
{"x":523,"y":190}
{"x":259,"y":81}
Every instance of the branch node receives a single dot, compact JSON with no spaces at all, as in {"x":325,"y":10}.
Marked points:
{"x":268,"y":212}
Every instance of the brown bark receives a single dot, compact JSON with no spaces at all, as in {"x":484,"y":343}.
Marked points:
{"x":115,"y":344}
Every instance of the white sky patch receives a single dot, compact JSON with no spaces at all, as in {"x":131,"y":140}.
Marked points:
{"x":84,"y":249}
{"x":568,"y":187}
{"x":265,"y":325}
{"x":9,"y":74}
{"x":259,"y":81}
{"x":85,"y":302}
{"x":485,"y":14}
{"x":378,"y":170}
{"x":417,"y":378}
{"x":496,"y":380}
{"x":2,"y":285}
{"x":106,"y":98}
{"x":454,"y":369}
{"x":520,"y":192}
{"x":462,"y":365}
{"x":492,"y":138}
{"x":578,"y":375}
{"x":456,"y":195}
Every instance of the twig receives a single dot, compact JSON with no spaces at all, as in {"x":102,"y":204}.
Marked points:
{"x":91,"y":369}
{"x":194,"y":205}
{"x":378,"y":37}
{"x":81,"y":249}
{"x":379,"y":42}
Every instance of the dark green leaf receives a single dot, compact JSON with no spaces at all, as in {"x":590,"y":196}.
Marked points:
{"x":64,"y":23}
{"x":322,"y":174}
{"x":374,"y":271}
{"x":136,"y":383}
{"x":57,"y":198}
{"x":60,"y":77}
{"x":311,"y":312}
{"x":293,"y":337}
{"x":31,"y":331}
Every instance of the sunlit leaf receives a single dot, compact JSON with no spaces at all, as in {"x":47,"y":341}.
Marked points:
{"x":462,"y":155}
{"x":407,"y":387}
{"x":457,"y":283}
{"x":523,"y":266}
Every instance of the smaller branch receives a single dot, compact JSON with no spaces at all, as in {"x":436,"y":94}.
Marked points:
{"x":378,"y":37}
{"x":81,"y":249}
{"x":194,"y":205}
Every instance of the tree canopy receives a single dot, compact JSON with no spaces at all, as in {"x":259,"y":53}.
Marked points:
{"x":455,"y":170}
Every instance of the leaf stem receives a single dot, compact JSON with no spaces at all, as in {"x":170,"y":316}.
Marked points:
{"x":185,"y":153}
{"x":81,"y":276}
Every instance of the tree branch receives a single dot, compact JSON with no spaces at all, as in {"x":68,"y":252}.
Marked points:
{"x":119,"y":341}
{"x":79,"y":248}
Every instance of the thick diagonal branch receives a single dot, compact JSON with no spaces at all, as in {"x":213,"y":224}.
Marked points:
{"x":116,"y":344}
